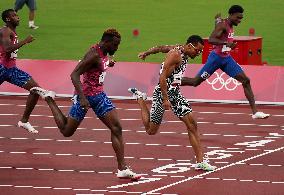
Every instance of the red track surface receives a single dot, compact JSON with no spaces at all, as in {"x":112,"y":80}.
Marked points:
{"x":48,"y":163}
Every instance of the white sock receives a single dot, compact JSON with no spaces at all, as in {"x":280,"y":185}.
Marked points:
{"x":31,"y":23}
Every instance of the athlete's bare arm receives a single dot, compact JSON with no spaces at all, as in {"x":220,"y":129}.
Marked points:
{"x":90,"y":60}
{"x":157,"y":49}
{"x":7,"y":42}
{"x":173,"y":60}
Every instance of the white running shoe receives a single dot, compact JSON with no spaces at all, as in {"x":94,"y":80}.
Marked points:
{"x":32,"y":26}
{"x":27,"y":126}
{"x":127,"y":174}
{"x":43,"y":93}
{"x":137,"y":94}
{"x":260,"y":115}
{"x":205,"y":166}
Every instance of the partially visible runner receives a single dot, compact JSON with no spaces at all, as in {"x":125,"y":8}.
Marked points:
{"x":90,"y":93}
{"x":167,"y":96}
{"x":9,"y":72}
{"x":223,"y":42}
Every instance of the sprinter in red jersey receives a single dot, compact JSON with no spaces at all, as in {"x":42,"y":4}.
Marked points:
{"x":9,"y":46}
{"x":90,"y":94}
{"x":222,"y":39}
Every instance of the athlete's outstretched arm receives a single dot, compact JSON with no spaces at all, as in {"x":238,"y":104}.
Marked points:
{"x":9,"y":47}
{"x":90,"y":60}
{"x":157,"y":49}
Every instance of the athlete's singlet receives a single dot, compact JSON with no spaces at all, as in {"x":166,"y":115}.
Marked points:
{"x":228,"y":36}
{"x":93,"y":80}
{"x":9,"y":59}
{"x":174,"y":80}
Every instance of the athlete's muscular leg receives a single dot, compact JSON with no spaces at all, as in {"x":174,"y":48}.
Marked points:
{"x":112,"y":122}
{"x":66,"y":125}
{"x":31,"y":101}
{"x":241,"y":77}
{"x":150,"y":127}
{"x":191,"y":81}
{"x":193,"y":135}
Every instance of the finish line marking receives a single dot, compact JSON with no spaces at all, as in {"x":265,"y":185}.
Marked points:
{"x":207,"y":173}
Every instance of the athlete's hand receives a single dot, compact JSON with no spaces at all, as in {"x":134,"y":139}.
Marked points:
{"x":84,"y":103}
{"x":142,"y":55}
{"x":167,"y":105}
{"x":29,"y":39}
{"x":232,"y":45}
{"x":218,"y":15}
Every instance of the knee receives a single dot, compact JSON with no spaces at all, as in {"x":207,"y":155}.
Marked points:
{"x":245,"y":81}
{"x":67,"y":132}
{"x":192,"y":128}
{"x":151,"y":131}
{"x":117,"y":130}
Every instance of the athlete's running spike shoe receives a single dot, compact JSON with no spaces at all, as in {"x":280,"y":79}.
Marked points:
{"x":43,"y":93}
{"x":260,"y":115}
{"x":205,"y":166}
{"x":27,"y":126}
{"x":128,"y":174}
{"x":137,"y":94}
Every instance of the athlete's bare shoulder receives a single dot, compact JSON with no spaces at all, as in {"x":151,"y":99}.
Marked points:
{"x":5,"y":31}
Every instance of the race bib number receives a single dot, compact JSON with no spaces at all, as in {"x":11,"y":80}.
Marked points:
{"x":102,"y":77}
{"x":177,"y":80}
{"x":225,"y":48}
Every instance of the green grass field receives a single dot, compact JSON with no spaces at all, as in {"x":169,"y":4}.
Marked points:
{"x":69,"y":27}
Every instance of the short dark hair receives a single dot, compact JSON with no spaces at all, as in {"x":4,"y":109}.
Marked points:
{"x":195,"y":39}
{"x":235,"y":9}
{"x":6,"y":13}
{"x":109,"y":34}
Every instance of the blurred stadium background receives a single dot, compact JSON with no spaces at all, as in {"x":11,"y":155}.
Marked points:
{"x":69,"y":27}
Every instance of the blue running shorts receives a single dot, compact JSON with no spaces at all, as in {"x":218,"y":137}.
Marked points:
{"x":14,"y":76}
{"x":215,"y":62}
{"x":100,"y":104}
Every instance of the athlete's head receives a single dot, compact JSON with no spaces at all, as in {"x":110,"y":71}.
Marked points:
{"x":111,"y":39}
{"x":10,"y":16}
{"x":236,"y":14}
{"x":194,"y":46}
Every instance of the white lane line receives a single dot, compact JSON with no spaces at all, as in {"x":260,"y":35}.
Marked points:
{"x":207,"y":173}
{"x":268,"y":125}
{"x":46,"y":169}
{"x":245,"y":124}
{"x":223,"y":123}
{"x":44,"y":139}
{"x":86,"y":155}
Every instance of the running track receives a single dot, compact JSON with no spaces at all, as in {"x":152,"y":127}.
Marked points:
{"x":248,"y":153}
